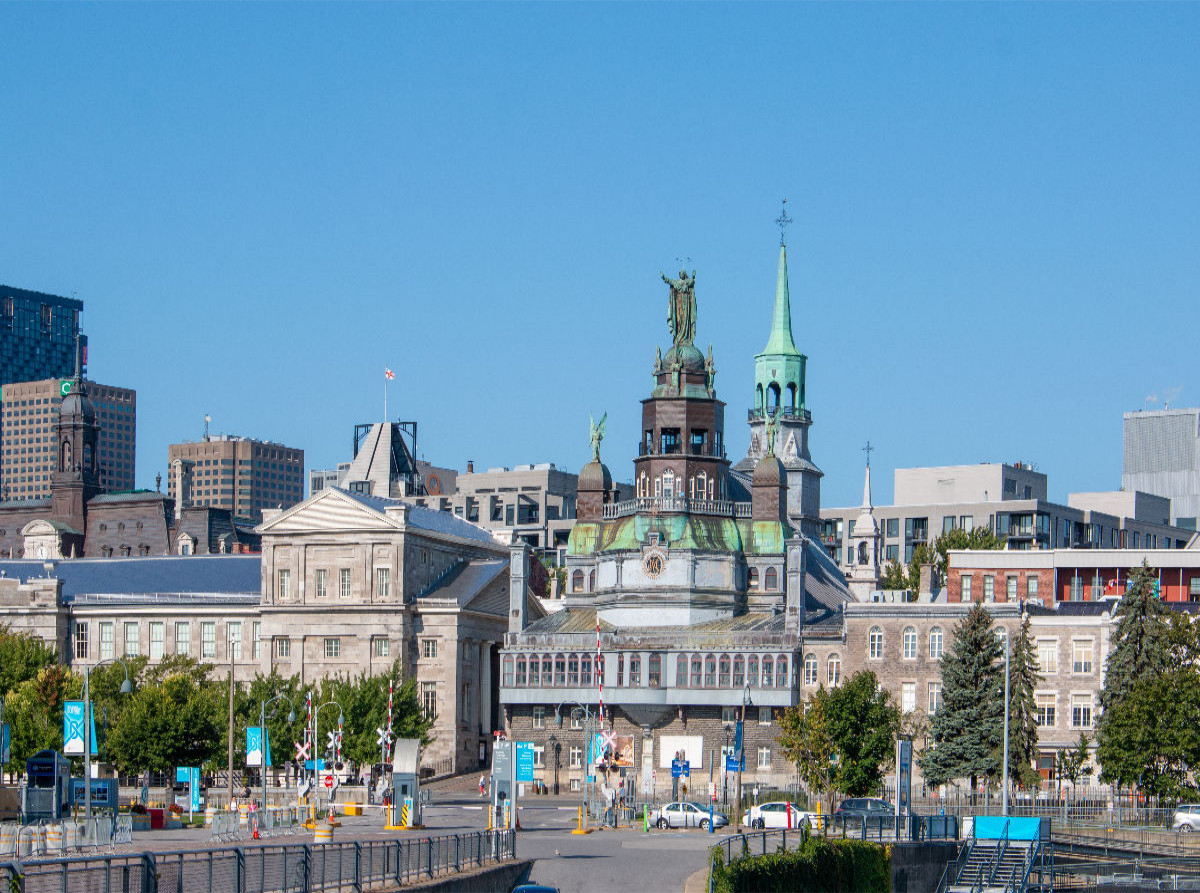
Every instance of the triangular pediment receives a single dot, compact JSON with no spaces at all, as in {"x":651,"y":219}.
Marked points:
{"x":329,"y":511}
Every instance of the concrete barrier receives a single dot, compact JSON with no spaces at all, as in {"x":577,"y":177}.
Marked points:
{"x":323,"y":834}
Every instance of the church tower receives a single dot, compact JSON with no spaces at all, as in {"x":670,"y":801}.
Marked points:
{"x":779,"y":391}
{"x":864,"y":539}
{"x":76,"y":477}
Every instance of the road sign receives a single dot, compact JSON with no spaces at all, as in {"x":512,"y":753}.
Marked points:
{"x":732,"y":763}
{"x":681,"y":768}
{"x":524,"y":760}
{"x":328,"y":781}
{"x":301,"y":751}
{"x":317,"y":765}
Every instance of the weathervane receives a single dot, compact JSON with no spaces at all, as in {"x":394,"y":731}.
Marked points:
{"x":868,"y":449}
{"x":782,"y":222}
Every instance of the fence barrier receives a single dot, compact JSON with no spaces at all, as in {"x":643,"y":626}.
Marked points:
{"x":271,"y":868}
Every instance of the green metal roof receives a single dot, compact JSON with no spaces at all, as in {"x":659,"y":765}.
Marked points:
{"x":781,"y":342}
{"x":706,"y":533}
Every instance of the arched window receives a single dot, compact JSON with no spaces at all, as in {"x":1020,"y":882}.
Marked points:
{"x":522,"y":679}
{"x":739,"y":671}
{"x":810,"y":669}
{"x":910,"y":643}
{"x":781,"y":672}
{"x":834,"y":670}
{"x":577,"y":581}
{"x":560,"y":670}
{"x":585,"y":671}
{"x":862,"y":552}
{"x":547,"y":671}
{"x":658,"y":485}
{"x":535,"y":676}
{"x":791,"y":396}
{"x":681,"y":671}
{"x":752,"y":670}
{"x":654,"y":670}
{"x":752,"y":585}
{"x":573,"y":671}
{"x":635,"y":670}
{"x":876,"y":644}
{"x":508,"y":670}
{"x":758,"y":397}
{"x":772,"y":397}
{"x":702,"y":486}
{"x":697,"y":677}
{"x":768,"y":674}
{"x":772,"y":580}
{"x":710,"y":671}
{"x":591,"y":581}
{"x":723,"y":675}
{"x":668,"y":484}
{"x":64,"y":462}
{"x":620,"y":669}
{"x":935,"y":643}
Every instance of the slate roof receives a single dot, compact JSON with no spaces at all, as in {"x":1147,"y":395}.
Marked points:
{"x":424,"y":518}
{"x":181,"y":574}
{"x":467,"y":580}
{"x":129,"y":496}
{"x":824,"y":582}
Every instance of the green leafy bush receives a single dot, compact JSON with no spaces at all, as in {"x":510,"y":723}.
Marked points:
{"x":818,"y":866}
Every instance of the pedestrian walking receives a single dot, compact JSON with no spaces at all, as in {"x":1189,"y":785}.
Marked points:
{"x":482,"y":784}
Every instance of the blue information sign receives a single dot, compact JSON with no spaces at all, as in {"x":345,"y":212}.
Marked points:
{"x":681,"y":768}
{"x":733,"y":764}
{"x":308,"y":764}
{"x":5,"y":741}
{"x":524,"y":760}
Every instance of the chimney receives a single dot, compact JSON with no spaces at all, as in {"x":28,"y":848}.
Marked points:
{"x":470,"y":466}
{"x":926,"y":578}
{"x":793,"y":620}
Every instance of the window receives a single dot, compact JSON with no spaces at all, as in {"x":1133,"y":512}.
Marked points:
{"x":285,"y":585}
{"x":739,"y":671}
{"x":429,"y":699}
{"x":576,"y":758}
{"x":157,"y":630}
{"x":131,"y":639}
{"x":1048,"y":655}
{"x":1081,"y":711}
{"x":989,"y":588}
{"x":383,"y":580}
{"x":183,"y":637}
{"x":965,"y":581}
{"x":81,"y":640}
{"x":752,"y":670}
{"x":333,"y":648}
{"x":768,"y":672}
{"x":753,"y":584}
{"x":381,"y":647}
{"x":681,"y":671}
{"x":1011,"y":589}
{"x":429,"y":648}
{"x":908,"y":696}
{"x":935,"y":643}
{"x":256,"y":639}
{"x":560,"y":670}
{"x":654,"y":671}
{"x":539,"y":717}
{"x":577,"y":581}
{"x":521,"y":674}
{"x":539,"y":756}
{"x":1045,"y":709}
{"x":772,"y":580}
{"x":1081,"y":656}
{"x":834,"y":670}
{"x":283,"y":647}
{"x":344,"y":582}
{"x":1031,"y":586}
{"x":710,"y":671}
{"x":573,"y":671}
{"x":764,"y":758}
{"x":781,"y":672}
{"x":765,"y":716}
{"x":729,"y":714}
{"x":876,"y":644}
{"x":910,"y":643}
{"x":1194,"y":590}
{"x":585,"y":671}
{"x":723,"y":672}
{"x":697,"y":678}
{"x":322,"y":583}
{"x":576,"y":785}
{"x":547,"y":670}
{"x":810,"y":669}
{"x":235,"y":640}
{"x":935,"y":697}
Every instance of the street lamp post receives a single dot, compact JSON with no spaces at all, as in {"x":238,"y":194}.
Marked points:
{"x":577,"y":711}
{"x":741,"y":757}
{"x":263,"y":740}
{"x":316,"y":715}
{"x":126,"y":688}
{"x":554,"y":747}
{"x":1004,"y":802}
{"x":725,"y":768}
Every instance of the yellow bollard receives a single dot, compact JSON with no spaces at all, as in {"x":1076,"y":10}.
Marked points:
{"x":580,"y":829}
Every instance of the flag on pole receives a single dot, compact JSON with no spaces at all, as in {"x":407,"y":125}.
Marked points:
{"x":389,"y":374}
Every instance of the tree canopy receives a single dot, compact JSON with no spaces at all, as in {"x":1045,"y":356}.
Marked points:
{"x":1022,"y":720}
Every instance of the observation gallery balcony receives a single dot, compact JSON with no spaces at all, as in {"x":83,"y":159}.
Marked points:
{"x":802,"y":415}
{"x":678,"y":504}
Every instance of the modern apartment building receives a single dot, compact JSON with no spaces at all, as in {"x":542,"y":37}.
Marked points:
{"x":27,"y":438}
{"x":1162,"y":456}
{"x":1011,"y":499}
{"x":37,"y":335}
{"x":241,"y":475}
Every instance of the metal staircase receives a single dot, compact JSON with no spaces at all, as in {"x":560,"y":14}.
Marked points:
{"x":1000,"y":866}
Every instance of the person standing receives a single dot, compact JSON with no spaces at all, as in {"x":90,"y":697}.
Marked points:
{"x":482,"y":784}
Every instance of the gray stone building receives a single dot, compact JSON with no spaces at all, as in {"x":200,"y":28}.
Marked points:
{"x":1162,"y":456}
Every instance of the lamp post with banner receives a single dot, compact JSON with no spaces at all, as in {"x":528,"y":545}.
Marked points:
{"x":126,"y":688}
{"x":589,"y":734}
{"x":740,"y":747}
{"x":264,"y":739}
{"x":316,"y":715}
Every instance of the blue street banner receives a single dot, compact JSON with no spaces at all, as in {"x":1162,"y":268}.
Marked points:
{"x":524,"y":760}
{"x":904,"y":754}
{"x":258,"y":742}
{"x":737,"y":742}
{"x":73,"y":728}
{"x":5,"y":743}
{"x":195,"y":782}
{"x":320,"y":764}
{"x":183,"y":775}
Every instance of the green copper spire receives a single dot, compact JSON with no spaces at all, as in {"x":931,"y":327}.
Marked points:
{"x":780,"y":343}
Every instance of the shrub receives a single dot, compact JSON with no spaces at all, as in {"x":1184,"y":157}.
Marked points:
{"x":818,"y":866}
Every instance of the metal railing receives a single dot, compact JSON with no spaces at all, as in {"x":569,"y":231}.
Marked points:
{"x":719,"y":507}
{"x":271,"y":868}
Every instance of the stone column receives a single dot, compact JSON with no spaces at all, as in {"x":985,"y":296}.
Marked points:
{"x":485,"y":688}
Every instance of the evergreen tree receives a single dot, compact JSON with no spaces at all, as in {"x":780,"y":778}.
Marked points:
{"x":1023,"y":679}
{"x":969,"y":726}
{"x":1141,"y":642}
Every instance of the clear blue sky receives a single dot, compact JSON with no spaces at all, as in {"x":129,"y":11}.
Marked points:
{"x":995,"y":251}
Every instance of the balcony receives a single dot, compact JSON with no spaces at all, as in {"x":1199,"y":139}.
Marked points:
{"x":707,"y":451}
{"x":676,"y":504}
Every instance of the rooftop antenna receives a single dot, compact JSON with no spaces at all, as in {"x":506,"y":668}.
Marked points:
{"x":782,"y":222}
{"x":207,"y":419}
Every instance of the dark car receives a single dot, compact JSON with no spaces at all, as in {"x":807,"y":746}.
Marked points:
{"x":872,"y":810}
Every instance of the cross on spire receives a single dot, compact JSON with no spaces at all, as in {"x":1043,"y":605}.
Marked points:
{"x":782,"y":222}
{"x":868,"y":449}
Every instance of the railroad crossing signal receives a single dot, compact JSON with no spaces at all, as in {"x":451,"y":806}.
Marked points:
{"x":301,"y":752}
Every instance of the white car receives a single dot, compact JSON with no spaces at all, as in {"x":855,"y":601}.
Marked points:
{"x":682,"y":814}
{"x":1187,"y":818}
{"x":775,"y":815}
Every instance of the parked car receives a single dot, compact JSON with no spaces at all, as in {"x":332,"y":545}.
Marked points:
{"x":1187,"y":818}
{"x":775,"y":815}
{"x":871,"y":810}
{"x":682,"y":814}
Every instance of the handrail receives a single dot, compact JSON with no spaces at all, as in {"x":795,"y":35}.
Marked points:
{"x":957,"y":865}
{"x":719,"y":507}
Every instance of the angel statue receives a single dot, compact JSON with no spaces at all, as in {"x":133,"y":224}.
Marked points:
{"x":681,"y":307}
{"x":597,"y":435}
{"x":773,"y":430}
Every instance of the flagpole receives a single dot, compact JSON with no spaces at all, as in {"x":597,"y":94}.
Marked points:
{"x":385,"y":384}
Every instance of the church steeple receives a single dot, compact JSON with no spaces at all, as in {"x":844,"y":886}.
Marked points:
{"x":780,"y":342}
{"x":76,"y":476}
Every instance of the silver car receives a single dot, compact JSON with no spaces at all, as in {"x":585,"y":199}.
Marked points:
{"x":684,"y":814}
{"x":1187,"y":818}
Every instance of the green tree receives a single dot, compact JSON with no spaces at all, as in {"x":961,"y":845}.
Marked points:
{"x":1141,"y":641}
{"x":22,"y":657}
{"x":1151,"y":735}
{"x":281,"y":734}
{"x":975,"y":538}
{"x":969,"y":726}
{"x":806,"y":740}
{"x":1072,"y":762}
{"x":174,"y":718}
{"x":1022,"y":719}
{"x":34,"y":710}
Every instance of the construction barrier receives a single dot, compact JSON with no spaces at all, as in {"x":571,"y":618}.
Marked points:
{"x":323,"y":834}
{"x":8,"y":838}
{"x":54,"y":840}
